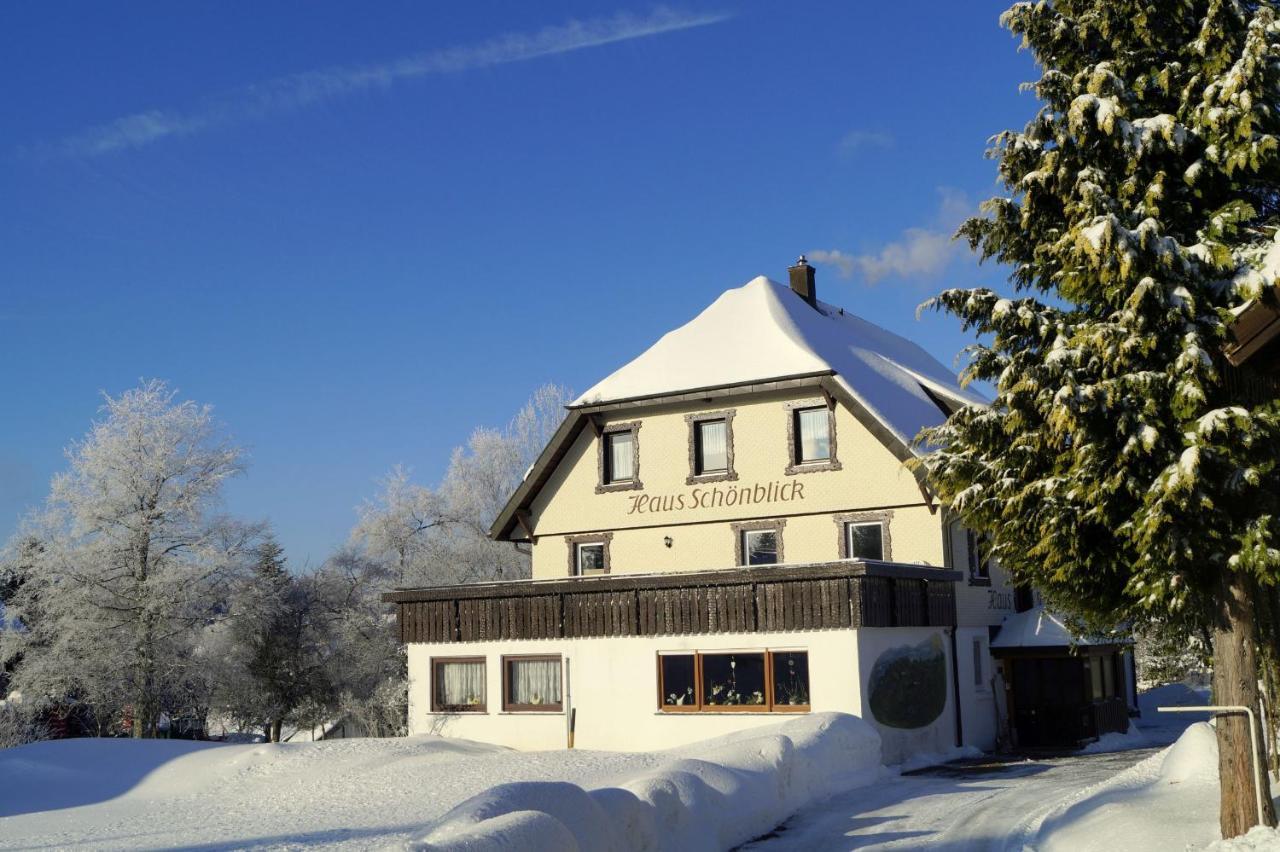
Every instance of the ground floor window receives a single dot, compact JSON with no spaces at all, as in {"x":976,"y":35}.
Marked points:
{"x":1102,"y":677}
{"x":717,"y":681}
{"x":532,"y":683}
{"x":458,"y":685}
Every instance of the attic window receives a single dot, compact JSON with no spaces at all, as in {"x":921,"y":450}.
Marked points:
{"x":710,"y":447}
{"x":618,"y":457}
{"x":811,"y":436}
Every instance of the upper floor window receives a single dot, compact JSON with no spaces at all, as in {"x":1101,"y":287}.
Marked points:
{"x":619,"y":460}
{"x":865,"y":539}
{"x":588,"y":554}
{"x":865,"y":535}
{"x":811,"y":437}
{"x":619,"y":457}
{"x":759,"y":542}
{"x":711,"y":447}
{"x":979,"y":564}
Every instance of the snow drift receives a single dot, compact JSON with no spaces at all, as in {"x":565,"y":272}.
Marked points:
{"x":1168,"y":801}
{"x":722,"y":793}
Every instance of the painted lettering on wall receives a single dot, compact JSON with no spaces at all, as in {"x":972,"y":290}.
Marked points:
{"x":999,"y":600}
{"x":717,"y":496}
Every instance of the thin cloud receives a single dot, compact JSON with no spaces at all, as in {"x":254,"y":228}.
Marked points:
{"x":856,"y":140}
{"x":296,"y":91}
{"x":917,"y":253}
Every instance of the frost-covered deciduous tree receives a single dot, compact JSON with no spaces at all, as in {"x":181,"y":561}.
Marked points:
{"x":1120,"y":469}
{"x":133,"y":561}
{"x":435,"y":536}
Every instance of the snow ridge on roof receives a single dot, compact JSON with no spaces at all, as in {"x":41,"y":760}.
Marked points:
{"x":764,"y":331}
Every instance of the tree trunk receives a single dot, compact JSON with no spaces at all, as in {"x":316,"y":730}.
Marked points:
{"x":1235,"y":682}
{"x":275,"y":730}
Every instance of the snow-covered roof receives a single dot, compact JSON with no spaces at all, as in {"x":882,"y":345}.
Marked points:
{"x":1039,"y":628}
{"x":764,"y":331}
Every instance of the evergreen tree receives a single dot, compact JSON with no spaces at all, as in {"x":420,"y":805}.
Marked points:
{"x":1119,"y":468}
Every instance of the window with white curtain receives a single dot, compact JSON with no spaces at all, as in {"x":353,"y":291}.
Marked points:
{"x":712,"y":447}
{"x":620,"y":457}
{"x":532,"y":683}
{"x":813,"y":435}
{"x":458,"y":685}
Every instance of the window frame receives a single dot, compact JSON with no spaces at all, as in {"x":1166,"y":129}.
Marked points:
{"x":741,"y":528}
{"x":436,"y":706}
{"x":794,"y":464}
{"x":844,"y":519}
{"x":571,"y":545}
{"x":729,"y":474}
{"x":508,"y":706}
{"x":978,"y":683}
{"x":603,"y":484}
{"x":979,"y":567}
{"x":699,"y":705}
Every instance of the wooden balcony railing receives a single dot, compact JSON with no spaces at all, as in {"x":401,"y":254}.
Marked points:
{"x":823,"y":596}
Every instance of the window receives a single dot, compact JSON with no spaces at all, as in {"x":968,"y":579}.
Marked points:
{"x":977,"y":664}
{"x":531,"y":684}
{"x":813,"y":435}
{"x":588,"y":553}
{"x":591,"y":558}
{"x":760,"y":547}
{"x":864,"y":535}
{"x":758,"y":542}
{"x":865,"y":540}
{"x":979,"y":568}
{"x":729,"y":681}
{"x":458,"y":685}
{"x":618,"y":457}
{"x":710,"y":447}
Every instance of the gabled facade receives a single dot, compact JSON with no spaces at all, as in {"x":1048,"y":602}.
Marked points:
{"x":724,"y":529}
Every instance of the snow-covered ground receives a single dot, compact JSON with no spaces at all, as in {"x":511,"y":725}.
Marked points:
{"x":374,"y":793}
{"x":989,"y":805}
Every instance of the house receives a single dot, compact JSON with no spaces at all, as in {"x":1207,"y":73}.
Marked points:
{"x":723,"y":531}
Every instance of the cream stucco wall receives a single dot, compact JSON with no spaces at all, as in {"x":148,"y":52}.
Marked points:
{"x":697,"y":516}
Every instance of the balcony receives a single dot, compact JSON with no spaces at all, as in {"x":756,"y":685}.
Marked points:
{"x":773,"y":598}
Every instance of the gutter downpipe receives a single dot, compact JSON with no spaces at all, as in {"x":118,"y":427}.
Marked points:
{"x":955,"y":690}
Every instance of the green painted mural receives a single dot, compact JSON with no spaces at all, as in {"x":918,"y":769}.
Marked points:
{"x":908,"y":685}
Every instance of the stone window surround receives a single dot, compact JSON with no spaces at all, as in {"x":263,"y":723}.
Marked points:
{"x":793,"y":440}
{"x":588,"y":538}
{"x":602,"y":443}
{"x":729,"y":475}
{"x":740,"y":527}
{"x":883,"y":517}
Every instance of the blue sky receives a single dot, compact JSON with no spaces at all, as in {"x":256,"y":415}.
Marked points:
{"x":361,"y":230}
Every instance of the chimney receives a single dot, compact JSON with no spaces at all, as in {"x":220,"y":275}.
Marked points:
{"x":802,"y":275}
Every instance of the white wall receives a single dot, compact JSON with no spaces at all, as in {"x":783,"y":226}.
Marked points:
{"x":977,"y":701}
{"x":897,"y":743}
{"x":614,"y":686}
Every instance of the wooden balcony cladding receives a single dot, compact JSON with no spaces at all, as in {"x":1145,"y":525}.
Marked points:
{"x":826,"y":596}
